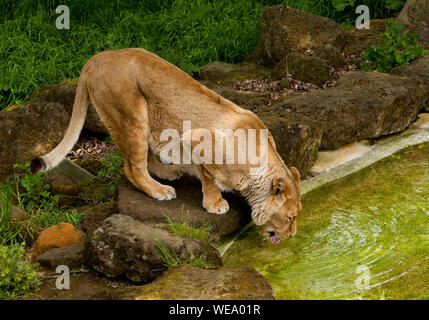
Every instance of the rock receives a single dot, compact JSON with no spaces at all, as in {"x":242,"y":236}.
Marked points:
{"x":71,"y":256}
{"x":17,"y":214}
{"x":331,"y":54}
{"x":187,"y":206}
{"x":221,"y":72}
{"x":415,"y":15}
{"x":285,"y":30}
{"x":297,"y":139}
{"x":91,"y":165}
{"x":121,"y":245}
{"x":58,"y":236}
{"x":28,"y":132}
{"x":97,"y":214}
{"x":307,"y":68}
{"x":362,"y":105}
{"x":70,"y":201}
{"x":418,"y":67}
{"x":190,"y":283}
{"x":62,"y":184}
{"x":285,"y":84}
{"x":358,"y":40}
{"x":244,"y":99}
{"x":63,"y":94}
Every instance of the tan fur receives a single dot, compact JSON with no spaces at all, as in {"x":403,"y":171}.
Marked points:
{"x":138,"y":95}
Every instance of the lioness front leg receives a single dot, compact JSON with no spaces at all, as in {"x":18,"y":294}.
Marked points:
{"x":212,"y":196}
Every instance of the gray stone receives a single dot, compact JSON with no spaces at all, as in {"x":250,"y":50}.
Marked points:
{"x":71,"y":256}
{"x":123,"y":246}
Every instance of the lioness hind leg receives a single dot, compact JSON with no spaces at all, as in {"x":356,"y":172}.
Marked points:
{"x":135,"y":141}
{"x":130,"y":133}
{"x":162,"y":171}
{"x":212,"y":196}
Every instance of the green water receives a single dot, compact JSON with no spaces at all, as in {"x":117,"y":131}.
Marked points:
{"x":365,"y":236}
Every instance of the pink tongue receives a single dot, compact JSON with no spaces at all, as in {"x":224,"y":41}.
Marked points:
{"x":274,"y":239}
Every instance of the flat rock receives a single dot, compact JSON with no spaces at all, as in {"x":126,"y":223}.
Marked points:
{"x":123,"y":246}
{"x":244,"y":99}
{"x":362,"y":105}
{"x":190,"y":283}
{"x":187,"y":206}
{"x":225,"y":73}
{"x":70,"y":256}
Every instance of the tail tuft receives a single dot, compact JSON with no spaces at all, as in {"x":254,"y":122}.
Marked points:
{"x":37,"y":165}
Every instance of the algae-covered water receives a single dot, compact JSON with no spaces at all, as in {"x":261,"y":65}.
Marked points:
{"x":365,"y":236}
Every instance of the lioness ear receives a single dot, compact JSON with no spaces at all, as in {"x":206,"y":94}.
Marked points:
{"x":295,"y":173}
{"x":279,"y":189}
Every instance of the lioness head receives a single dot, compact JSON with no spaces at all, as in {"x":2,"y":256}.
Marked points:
{"x":282,"y":207}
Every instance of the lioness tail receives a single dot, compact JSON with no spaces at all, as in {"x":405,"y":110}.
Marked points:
{"x":80,"y":107}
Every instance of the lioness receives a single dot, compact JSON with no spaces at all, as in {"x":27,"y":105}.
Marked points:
{"x":138,"y":95}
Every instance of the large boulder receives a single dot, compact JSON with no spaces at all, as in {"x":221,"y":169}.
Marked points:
{"x":362,"y":105}
{"x":190,"y":283}
{"x":64,"y":94}
{"x":297,"y":139}
{"x":186,"y":207}
{"x":28,"y":132}
{"x":285,"y":30}
{"x":415,"y":15}
{"x":123,"y":246}
{"x":358,"y":40}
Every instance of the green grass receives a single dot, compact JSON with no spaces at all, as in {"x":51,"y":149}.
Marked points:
{"x":185,"y":229}
{"x":188,"y":33}
{"x":29,"y":193}
{"x":170,"y":258}
{"x":17,"y":274}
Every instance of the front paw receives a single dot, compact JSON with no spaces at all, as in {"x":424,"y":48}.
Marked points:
{"x":164,"y":193}
{"x":219,"y":207}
